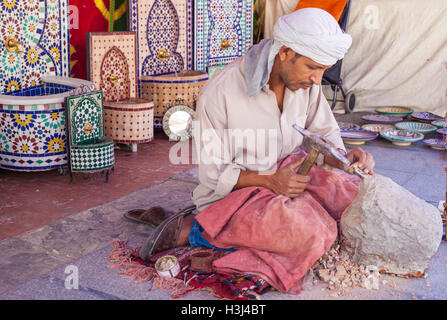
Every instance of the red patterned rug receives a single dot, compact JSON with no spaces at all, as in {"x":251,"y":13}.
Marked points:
{"x":221,"y":285}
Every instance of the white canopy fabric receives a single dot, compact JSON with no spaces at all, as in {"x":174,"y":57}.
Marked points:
{"x":398,"y":56}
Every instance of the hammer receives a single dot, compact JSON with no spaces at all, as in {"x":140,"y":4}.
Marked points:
{"x":318,"y":144}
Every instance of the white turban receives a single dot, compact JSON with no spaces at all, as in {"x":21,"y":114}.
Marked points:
{"x":310,"y":32}
{"x":313,"y":33}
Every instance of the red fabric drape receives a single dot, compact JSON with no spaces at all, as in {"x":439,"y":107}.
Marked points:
{"x":279,"y":238}
{"x":90,"y":20}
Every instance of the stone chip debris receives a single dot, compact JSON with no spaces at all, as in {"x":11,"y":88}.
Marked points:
{"x":339,"y":272}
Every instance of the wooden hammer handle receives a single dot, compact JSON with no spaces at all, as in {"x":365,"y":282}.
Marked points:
{"x":308,"y":162}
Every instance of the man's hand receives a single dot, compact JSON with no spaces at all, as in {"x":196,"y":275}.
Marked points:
{"x":360,"y":159}
{"x":287,"y":182}
{"x":284,"y":181}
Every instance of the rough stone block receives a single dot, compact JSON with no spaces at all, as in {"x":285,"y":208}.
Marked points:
{"x":389,"y":227}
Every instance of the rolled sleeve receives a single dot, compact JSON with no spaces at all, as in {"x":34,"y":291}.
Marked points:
{"x":228,"y":179}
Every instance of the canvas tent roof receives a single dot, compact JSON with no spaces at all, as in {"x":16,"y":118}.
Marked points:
{"x":399,"y":52}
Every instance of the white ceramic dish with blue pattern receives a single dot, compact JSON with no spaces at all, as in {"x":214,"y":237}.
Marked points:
{"x":416,"y":126}
{"x":377,"y":127}
{"x":437,"y":144}
{"x":347,"y":125}
{"x":402,"y":138}
{"x":440,"y":123}
{"x":382,"y":118}
{"x":425,"y":116}
{"x":357,"y":137}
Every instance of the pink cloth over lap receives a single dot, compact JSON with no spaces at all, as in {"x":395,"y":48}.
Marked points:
{"x":279,"y":238}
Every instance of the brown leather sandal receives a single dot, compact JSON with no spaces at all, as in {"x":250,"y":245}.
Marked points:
{"x":166,"y":235}
{"x":152,"y":216}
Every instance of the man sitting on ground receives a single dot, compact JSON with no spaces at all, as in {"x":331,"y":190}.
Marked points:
{"x":243,"y":202}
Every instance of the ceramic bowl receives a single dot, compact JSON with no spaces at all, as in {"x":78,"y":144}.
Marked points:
{"x":438,"y":144}
{"x":440,"y":123}
{"x":416,"y":126}
{"x":442,"y":131}
{"x":395,"y":111}
{"x":357,"y":137}
{"x":401,"y":138}
{"x":425,"y":116}
{"x":347,"y":125}
{"x":377,"y":127}
{"x":381,"y":118}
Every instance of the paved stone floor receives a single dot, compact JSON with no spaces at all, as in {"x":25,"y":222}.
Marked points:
{"x":34,"y":265}
{"x":30,"y":200}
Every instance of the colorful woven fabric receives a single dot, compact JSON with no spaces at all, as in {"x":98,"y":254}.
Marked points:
{"x":223,"y":285}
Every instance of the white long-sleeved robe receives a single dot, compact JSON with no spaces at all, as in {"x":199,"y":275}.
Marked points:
{"x":259,"y":132}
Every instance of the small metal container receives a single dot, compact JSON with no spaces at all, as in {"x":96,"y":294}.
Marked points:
{"x":167,"y":266}
{"x":202,"y":261}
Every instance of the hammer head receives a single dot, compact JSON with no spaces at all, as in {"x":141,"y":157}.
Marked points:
{"x":323,"y":146}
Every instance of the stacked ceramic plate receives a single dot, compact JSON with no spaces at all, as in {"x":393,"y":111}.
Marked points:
{"x":442,"y":131}
{"x":381,"y":118}
{"x":347,"y":125}
{"x":437,"y":144}
{"x":402,"y":138}
{"x":377,"y":127}
{"x":395,"y":111}
{"x":425,"y":116}
{"x":416,"y":126}
{"x":357,"y":137}
{"x":440,"y":123}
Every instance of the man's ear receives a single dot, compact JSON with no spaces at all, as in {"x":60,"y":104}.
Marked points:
{"x":283,"y":53}
{"x":286,"y":53}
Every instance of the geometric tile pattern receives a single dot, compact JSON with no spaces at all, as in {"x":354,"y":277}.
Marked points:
{"x":95,"y":157}
{"x":162,"y":25}
{"x":41,"y":28}
{"x":89,"y":149}
{"x":219,"y":21}
{"x":32,"y":137}
{"x":129,"y":121}
{"x":41,"y":90}
{"x":86,"y":118}
{"x":212,"y":71}
{"x":169,"y":90}
{"x":112,"y":64}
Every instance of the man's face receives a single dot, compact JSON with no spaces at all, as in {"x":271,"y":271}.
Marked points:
{"x":300,"y":72}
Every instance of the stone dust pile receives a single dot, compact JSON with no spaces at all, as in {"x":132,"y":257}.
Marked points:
{"x":339,"y":273}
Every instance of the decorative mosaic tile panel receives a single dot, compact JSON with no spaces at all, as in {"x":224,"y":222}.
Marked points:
{"x":162,"y":24}
{"x":41,"y":28}
{"x":32,"y":138}
{"x":169,"y":90}
{"x":112,"y":64}
{"x":129,"y":121}
{"x":212,"y":71}
{"x":94,"y":157}
{"x":223,"y":31}
{"x":85,"y":116}
{"x":42,"y":90}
